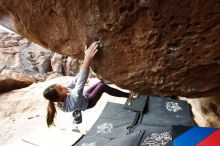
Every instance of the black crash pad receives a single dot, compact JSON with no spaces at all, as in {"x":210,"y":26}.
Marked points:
{"x":116,"y":111}
{"x":132,"y":139}
{"x":92,"y":141}
{"x":118,"y":126}
{"x":157,"y":137}
{"x":142,"y":136}
{"x":138,"y":104}
{"x":113,"y":122}
{"x":164,"y":112}
{"x":109,"y":128}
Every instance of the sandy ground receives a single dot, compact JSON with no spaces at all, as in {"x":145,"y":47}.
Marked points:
{"x":28,"y":128}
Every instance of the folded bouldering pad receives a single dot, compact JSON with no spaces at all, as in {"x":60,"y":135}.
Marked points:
{"x":138,"y":104}
{"x":165,"y":111}
{"x":132,"y":139}
{"x":116,"y":111}
{"x":92,"y":141}
{"x":113,"y":122}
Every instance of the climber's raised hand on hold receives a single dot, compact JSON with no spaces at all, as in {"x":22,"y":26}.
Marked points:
{"x":89,"y":54}
{"x":91,"y":51}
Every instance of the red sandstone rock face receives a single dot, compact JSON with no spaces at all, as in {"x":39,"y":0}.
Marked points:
{"x":150,"y":46}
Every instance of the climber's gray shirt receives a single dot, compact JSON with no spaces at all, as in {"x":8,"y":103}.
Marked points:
{"x":75,"y":99}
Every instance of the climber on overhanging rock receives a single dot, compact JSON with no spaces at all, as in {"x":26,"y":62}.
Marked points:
{"x":71,"y":98}
{"x":142,"y":53}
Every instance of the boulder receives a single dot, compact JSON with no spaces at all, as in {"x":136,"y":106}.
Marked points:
{"x":14,"y":81}
{"x":72,"y":66}
{"x":20,"y":56}
{"x":206,"y":111}
{"x":57,"y":63}
{"x":149,"y":46}
{"x":44,"y":64}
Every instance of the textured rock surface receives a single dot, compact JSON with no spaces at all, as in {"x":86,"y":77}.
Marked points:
{"x":18,"y":61}
{"x":14,"y":81}
{"x":71,"y":66}
{"x":150,"y":46}
{"x":19,"y":55}
{"x":206,"y":111}
{"x":44,"y":64}
{"x":57,"y":63}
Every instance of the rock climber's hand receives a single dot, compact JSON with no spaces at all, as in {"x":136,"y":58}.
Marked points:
{"x":91,"y":51}
{"x":89,"y":54}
